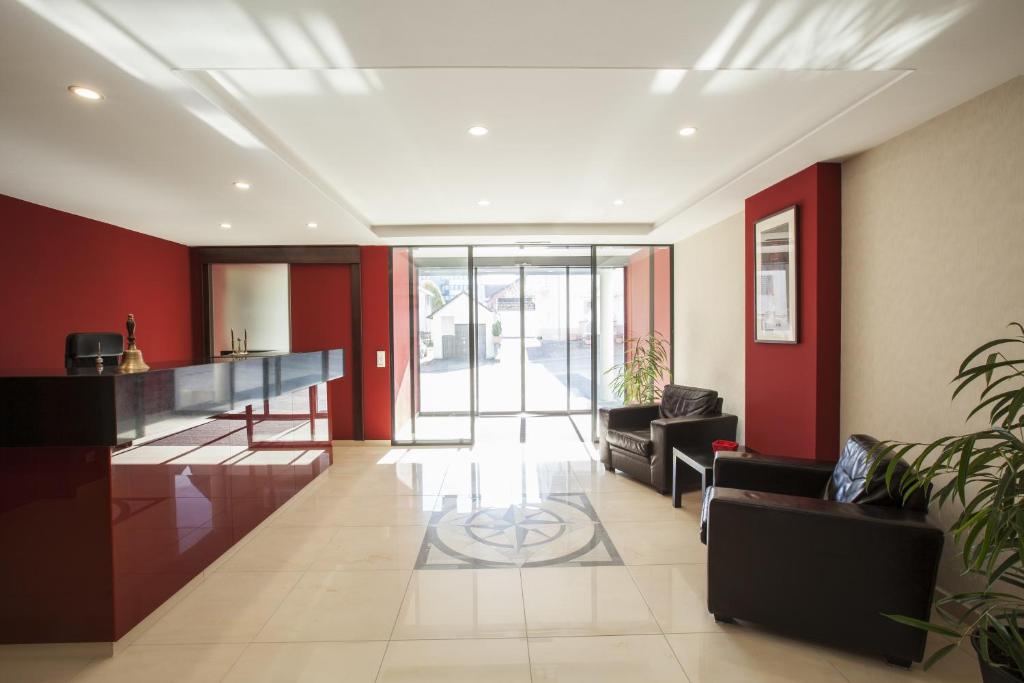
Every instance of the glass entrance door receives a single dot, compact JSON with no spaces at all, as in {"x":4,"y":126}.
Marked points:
{"x":490,"y":340}
{"x":545,"y":338}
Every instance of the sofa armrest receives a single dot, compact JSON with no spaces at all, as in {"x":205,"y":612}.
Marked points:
{"x":628,"y":417}
{"x":692,"y":434}
{"x":771,"y":474}
{"x":823,"y":567}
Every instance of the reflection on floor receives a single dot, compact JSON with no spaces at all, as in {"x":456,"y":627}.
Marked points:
{"x":538,"y":429}
{"x":223,"y":432}
{"x":328,"y":589}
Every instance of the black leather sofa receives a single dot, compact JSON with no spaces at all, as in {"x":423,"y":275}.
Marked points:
{"x":639,"y":439}
{"x":818,"y":551}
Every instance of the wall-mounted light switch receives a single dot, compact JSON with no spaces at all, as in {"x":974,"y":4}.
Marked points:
{"x":381,"y":359}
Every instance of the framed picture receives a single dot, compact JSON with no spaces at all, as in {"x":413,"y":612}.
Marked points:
{"x":775,"y":278}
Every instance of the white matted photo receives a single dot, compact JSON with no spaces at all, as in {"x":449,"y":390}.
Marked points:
{"x":775,"y":278}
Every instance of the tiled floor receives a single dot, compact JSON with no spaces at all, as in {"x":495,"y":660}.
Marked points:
{"x":549,"y":569}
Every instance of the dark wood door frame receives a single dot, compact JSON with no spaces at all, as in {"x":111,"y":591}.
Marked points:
{"x":203,"y":258}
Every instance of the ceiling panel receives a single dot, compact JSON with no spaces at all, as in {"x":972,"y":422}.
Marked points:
{"x":564,"y":144}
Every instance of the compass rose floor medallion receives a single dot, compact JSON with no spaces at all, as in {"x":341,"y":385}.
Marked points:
{"x":555,"y":530}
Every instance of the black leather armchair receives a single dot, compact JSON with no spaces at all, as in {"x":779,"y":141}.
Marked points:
{"x":821,"y":552}
{"x":639,"y":439}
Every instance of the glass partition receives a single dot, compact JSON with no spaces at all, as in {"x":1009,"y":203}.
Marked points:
{"x":634,"y":300}
{"x":433,"y":382}
{"x":402,"y":357}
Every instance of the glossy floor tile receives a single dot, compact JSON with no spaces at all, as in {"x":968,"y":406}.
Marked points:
{"x":575,"y":601}
{"x":639,"y":506}
{"x":959,"y":666}
{"x":604,"y":659}
{"x":484,"y":603}
{"x":592,"y":476}
{"x":164,"y":664}
{"x":741,"y":654}
{"x":370,"y":547}
{"x":43,"y":668}
{"x":677,"y":595}
{"x":334,"y":606}
{"x":227,"y":607}
{"x":280,"y":549}
{"x":673,"y":542}
{"x":308,"y":663}
{"x":504,"y":660}
{"x":320,"y":510}
{"x":412,"y":479}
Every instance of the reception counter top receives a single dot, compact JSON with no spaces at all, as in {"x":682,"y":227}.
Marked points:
{"x":109,"y":408}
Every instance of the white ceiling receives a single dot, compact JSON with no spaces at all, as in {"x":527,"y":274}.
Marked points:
{"x":354,"y":114}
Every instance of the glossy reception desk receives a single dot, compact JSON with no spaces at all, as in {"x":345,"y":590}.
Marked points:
{"x":95,"y":534}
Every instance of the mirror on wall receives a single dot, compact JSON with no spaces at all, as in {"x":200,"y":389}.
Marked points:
{"x":252,"y":299}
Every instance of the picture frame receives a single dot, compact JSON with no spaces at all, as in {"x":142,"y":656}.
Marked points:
{"x":776,"y":293}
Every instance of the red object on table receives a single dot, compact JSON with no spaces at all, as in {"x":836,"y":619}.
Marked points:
{"x":723,"y":445}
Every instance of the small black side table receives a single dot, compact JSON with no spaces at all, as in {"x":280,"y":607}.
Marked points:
{"x":702,"y":463}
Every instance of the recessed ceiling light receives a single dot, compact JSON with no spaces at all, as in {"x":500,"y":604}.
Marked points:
{"x":242,"y":185}
{"x":85,"y":93}
{"x":478,"y":131}
{"x":618,"y":202}
{"x":687,"y":131}
{"x":484,"y":202}
{"x":311,"y":225}
{"x":225,"y":226}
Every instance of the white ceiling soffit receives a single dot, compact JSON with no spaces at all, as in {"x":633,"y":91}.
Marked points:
{"x":353,"y":115}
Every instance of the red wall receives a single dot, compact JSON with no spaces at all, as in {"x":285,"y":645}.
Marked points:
{"x":637,"y":295}
{"x":321,"y":318}
{"x":62,"y":273}
{"x":375,"y":286}
{"x":792,"y":402}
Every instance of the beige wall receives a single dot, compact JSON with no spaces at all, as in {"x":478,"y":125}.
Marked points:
{"x":933,"y":265}
{"x":709,"y":312}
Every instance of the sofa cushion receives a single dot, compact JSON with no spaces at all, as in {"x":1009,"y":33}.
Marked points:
{"x":680,"y":401}
{"x":849,"y":482}
{"x":635,"y":441}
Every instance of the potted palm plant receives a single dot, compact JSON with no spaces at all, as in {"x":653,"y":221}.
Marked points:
{"x":640,"y":378}
{"x":982,"y":472}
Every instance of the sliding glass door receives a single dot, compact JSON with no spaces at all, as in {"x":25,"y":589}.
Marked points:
{"x":507,"y":334}
{"x":545,"y":337}
{"x":500,"y":366}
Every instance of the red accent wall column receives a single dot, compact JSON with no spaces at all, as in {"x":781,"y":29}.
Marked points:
{"x":792,"y":390}
{"x":321,"y":318}
{"x":375,"y":290}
